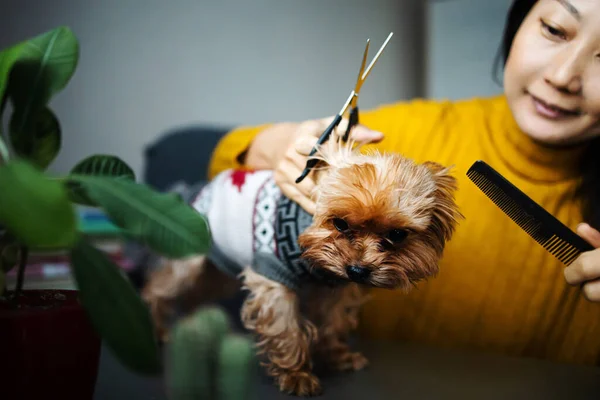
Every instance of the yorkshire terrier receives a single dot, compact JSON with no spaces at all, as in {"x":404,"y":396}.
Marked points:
{"x":381,"y":221}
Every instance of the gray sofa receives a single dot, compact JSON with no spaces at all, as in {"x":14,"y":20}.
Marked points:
{"x":181,"y":155}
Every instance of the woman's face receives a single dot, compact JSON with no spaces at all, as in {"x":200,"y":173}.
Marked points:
{"x":552,"y":75}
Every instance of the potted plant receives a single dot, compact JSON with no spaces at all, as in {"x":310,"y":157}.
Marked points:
{"x":50,"y":339}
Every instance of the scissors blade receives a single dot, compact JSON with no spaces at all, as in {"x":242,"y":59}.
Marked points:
{"x":362,"y":76}
{"x":368,"y":70}
{"x":360,"y":80}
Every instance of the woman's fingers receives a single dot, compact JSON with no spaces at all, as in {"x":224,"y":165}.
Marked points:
{"x":313,"y":128}
{"x":295,"y":195}
{"x":591,"y":291}
{"x":291,"y":168}
{"x":304,"y":146}
{"x":362,"y":134}
{"x":586,"y":267}
{"x":359,"y":133}
{"x":300,"y":193}
{"x":590,"y":234}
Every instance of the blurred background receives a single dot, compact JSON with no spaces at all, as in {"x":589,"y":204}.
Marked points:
{"x":150,"y":67}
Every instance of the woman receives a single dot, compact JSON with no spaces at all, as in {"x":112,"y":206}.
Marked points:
{"x":498,"y":289}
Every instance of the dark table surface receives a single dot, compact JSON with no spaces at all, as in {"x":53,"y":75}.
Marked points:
{"x":403,"y":371}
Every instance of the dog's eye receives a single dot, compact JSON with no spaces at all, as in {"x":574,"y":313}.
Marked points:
{"x":397,"y":235}
{"x":340,"y":224}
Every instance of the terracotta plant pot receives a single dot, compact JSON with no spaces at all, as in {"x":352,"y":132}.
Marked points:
{"x":48,"y":348}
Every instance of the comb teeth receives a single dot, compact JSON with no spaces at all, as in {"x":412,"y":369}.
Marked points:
{"x":558,"y":247}
{"x":565,"y":252}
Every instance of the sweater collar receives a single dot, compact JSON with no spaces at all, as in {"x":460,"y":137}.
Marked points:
{"x":526,"y":157}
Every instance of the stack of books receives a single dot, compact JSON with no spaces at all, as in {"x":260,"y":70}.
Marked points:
{"x":51,"y":269}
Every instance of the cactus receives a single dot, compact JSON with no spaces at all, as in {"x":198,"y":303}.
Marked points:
{"x":236,"y":365}
{"x":207,"y":361}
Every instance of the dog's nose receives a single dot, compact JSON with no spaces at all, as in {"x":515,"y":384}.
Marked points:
{"x":357,"y":273}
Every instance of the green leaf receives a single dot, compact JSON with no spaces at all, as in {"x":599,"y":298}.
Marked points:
{"x":97,"y":165}
{"x":44,"y":66}
{"x":4,"y":154}
{"x":163,"y":222}
{"x":40,"y":140}
{"x":115,"y":309}
{"x":104,"y":165}
{"x":34,"y":208}
{"x":78,"y":195}
{"x":7,"y":59}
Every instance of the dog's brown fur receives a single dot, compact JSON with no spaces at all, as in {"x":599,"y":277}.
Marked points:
{"x":373,"y":194}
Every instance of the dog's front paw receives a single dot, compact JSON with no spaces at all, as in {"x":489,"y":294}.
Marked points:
{"x":351,"y":362}
{"x":300,"y":383}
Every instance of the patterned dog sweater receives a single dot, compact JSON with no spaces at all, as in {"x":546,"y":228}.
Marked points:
{"x":253,"y":224}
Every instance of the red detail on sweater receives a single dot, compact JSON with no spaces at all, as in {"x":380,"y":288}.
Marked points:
{"x":238,"y":178}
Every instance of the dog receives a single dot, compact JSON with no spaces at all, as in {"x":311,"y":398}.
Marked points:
{"x":382,"y":221}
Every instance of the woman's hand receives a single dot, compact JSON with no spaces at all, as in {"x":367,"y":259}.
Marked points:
{"x":292,"y":162}
{"x":585,"y":270}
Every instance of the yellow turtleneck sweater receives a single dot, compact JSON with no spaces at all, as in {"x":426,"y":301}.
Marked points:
{"x":498,"y":290}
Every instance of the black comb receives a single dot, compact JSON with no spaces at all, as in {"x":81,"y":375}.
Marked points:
{"x":548,"y":231}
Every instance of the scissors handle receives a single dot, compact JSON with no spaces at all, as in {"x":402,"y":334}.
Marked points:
{"x":352,"y":122}
{"x":322,"y":139}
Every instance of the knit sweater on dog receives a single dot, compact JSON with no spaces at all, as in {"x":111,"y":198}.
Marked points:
{"x":253,"y":224}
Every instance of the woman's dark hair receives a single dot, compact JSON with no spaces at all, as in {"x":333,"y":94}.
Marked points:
{"x":516,"y":14}
{"x":588,"y":190}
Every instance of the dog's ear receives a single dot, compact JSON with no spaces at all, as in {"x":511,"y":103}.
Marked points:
{"x":446,"y":213}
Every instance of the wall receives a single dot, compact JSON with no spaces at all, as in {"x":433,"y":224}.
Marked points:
{"x":463,"y":39}
{"x":149,"y":66}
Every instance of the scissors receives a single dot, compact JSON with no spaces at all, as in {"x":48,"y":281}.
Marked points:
{"x":351,"y":102}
